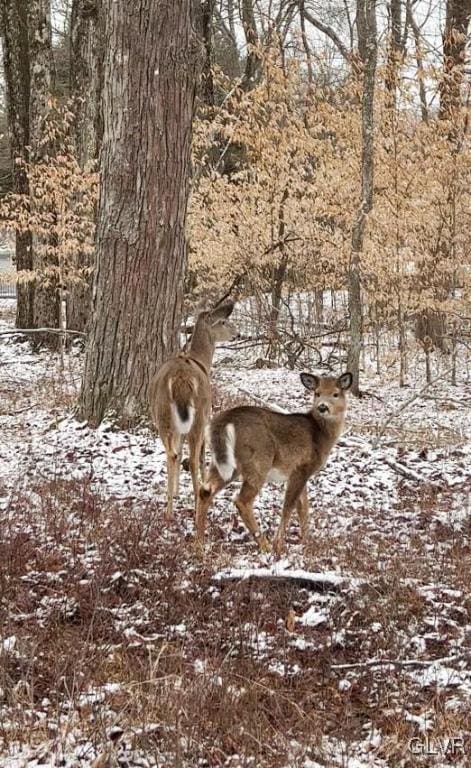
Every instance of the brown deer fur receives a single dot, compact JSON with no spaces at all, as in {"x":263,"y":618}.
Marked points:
{"x":180,"y":396}
{"x":257,"y":444}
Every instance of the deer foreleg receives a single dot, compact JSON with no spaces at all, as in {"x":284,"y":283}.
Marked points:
{"x":302,"y":508}
{"x":294,"y":489}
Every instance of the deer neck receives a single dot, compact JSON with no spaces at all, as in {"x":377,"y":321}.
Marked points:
{"x":332,"y":428}
{"x":202,"y":346}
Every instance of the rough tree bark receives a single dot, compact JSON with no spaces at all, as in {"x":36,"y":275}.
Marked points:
{"x":368,"y":50}
{"x":14,"y":25}
{"x":152,"y":58}
{"x":86,"y":82}
{"x":46,"y":294}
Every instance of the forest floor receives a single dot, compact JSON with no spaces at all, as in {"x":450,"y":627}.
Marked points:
{"x":119,"y":646}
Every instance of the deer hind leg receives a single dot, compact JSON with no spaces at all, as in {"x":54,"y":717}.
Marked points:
{"x":195,"y":442}
{"x":294,"y":490}
{"x":172,"y":448}
{"x":302,"y":508}
{"x":214,"y":483}
{"x":244,"y":503}
{"x":202,"y":459}
{"x":176,"y":487}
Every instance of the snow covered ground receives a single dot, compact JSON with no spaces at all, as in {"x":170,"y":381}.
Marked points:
{"x":119,"y":645}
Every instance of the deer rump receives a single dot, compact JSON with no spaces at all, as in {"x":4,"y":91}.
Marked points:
{"x":182,"y":390}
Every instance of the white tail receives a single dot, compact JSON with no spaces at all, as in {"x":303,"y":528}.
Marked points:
{"x":182,"y":425}
{"x":225,"y":460}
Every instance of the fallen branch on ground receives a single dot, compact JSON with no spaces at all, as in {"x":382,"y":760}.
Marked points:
{"x":306,"y":579}
{"x":60,"y":331}
{"x":401,"y":469}
{"x":403,"y":662}
{"x":262,"y":402}
{"x":405,"y":405}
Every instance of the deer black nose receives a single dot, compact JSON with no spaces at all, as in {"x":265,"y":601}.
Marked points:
{"x":323,"y":408}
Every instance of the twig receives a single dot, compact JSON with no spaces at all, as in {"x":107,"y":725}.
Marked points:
{"x":235,"y":283}
{"x":21,"y":410}
{"x":403,"y":662}
{"x":405,"y":405}
{"x":397,"y":466}
{"x":59,"y":331}
{"x":401,"y":469}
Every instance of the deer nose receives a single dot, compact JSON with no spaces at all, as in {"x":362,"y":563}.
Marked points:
{"x":323,"y":408}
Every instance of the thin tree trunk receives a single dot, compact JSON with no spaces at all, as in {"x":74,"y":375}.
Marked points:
{"x":431,"y":325}
{"x":86,"y":76}
{"x":151,"y":63}
{"x":207,"y":80}
{"x":46,"y":299}
{"x":395,"y":52}
{"x":253,"y":67}
{"x":278,"y":279}
{"x":368,"y":47}
{"x":86,"y":82}
{"x":458,"y":17}
{"x":306,"y":46}
{"x":419,"y":61}
{"x":14,"y":25}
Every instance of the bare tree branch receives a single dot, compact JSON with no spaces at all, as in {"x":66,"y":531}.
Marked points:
{"x":332,"y":35}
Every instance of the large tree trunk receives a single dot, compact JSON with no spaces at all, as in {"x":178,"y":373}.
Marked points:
{"x":86,"y":82}
{"x":368,"y":49}
{"x":151,"y":63}
{"x":14,"y":24}
{"x":46,"y":299}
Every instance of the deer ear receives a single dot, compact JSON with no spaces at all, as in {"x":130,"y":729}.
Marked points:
{"x":222,"y":311}
{"x":310,"y":381}
{"x":345,"y":381}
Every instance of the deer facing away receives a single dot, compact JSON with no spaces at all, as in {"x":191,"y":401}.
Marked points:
{"x":180,"y":396}
{"x":257,"y":445}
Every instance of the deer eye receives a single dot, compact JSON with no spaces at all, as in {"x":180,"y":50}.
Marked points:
{"x":316,"y":394}
{"x":336,"y":394}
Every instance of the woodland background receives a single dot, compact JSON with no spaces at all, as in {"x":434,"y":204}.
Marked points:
{"x":330,"y":157}
{"x":312,"y":160}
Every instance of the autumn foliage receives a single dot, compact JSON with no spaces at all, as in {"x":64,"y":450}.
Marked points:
{"x":294,"y":193}
{"x":275,"y":191}
{"x":58,"y":211}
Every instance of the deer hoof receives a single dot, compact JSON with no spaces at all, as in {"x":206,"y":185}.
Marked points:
{"x":278,"y":546}
{"x":264,"y":545}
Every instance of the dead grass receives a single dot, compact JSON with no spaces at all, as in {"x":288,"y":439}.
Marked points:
{"x":117,"y":623}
